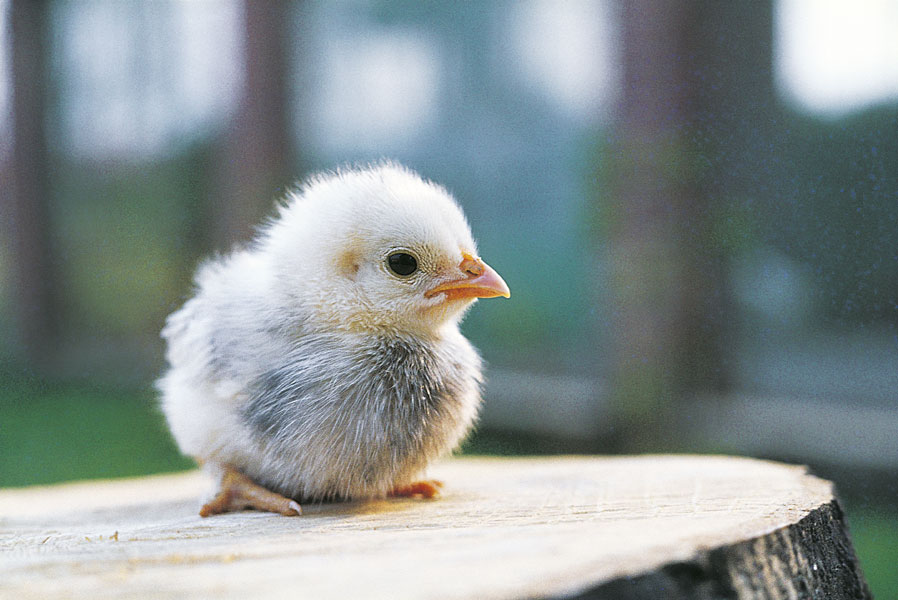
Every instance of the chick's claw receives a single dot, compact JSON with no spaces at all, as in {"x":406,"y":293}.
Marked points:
{"x":425,"y":489}
{"x":239,"y":492}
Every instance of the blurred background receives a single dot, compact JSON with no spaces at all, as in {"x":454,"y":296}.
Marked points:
{"x":695,"y":204}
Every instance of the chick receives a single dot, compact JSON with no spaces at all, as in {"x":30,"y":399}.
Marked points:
{"x":324,"y":361}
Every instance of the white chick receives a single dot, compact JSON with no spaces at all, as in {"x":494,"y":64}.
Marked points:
{"x":324,"y":361}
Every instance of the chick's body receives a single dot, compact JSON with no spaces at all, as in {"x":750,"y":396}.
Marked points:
{"x":324,"y":360}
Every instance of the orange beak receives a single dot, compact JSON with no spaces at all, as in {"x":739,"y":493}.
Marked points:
{"x":480,"y":281}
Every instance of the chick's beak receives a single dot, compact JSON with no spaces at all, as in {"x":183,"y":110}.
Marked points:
{"x":479,"y":281}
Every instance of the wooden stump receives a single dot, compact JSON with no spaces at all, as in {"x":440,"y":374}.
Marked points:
{"x":628,"y":527}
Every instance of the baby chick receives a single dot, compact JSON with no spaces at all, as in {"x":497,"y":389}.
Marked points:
{"x":324,"y":361}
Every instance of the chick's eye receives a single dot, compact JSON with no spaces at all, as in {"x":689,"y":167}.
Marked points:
{"x":402,"y":263}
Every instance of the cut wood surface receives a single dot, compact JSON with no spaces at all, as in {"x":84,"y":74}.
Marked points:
{"x":622,"y":527}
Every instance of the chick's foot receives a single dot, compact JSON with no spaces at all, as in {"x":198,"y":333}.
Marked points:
{"x":239,"y":492}
{"x":425,"y":489}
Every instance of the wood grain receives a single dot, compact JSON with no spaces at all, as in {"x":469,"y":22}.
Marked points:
{"x":623,"y":527}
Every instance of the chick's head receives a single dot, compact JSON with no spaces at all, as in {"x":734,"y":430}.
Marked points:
{"x":378,"y":249}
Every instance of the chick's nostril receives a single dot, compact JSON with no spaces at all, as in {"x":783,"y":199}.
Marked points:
{"x":472,"y":267}
{"x":474,"y":270}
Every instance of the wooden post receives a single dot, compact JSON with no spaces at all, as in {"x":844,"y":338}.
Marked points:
{"x":668,"y":291}
{"x":255,"y":160}
{"x":25,"y":193}
{"x":673,"y":527}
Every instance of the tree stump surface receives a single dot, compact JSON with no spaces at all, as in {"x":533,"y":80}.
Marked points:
{"x":583,"y":527}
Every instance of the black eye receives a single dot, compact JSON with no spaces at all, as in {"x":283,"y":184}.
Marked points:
{"x":402,"y":263}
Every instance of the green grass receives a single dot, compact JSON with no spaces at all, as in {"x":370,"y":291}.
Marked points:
{"x":874,"y":530}
{"x":60,"y":432}
{"x":53,"y":432}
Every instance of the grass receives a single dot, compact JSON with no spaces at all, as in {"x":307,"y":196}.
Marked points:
{"x":874,"y":531}
{"x":53,"y":432}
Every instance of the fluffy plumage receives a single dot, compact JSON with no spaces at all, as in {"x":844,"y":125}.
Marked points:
{"x":307,"y":364}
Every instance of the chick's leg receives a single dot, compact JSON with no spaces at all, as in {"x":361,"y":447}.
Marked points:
{"x":425,"y":488}
{"x":237,"y":492}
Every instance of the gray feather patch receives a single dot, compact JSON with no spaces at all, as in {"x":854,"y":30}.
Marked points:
{"x":368,"y":412}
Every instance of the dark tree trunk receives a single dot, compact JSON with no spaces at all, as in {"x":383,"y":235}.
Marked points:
{"x":679,"y":113}
{"x":255,"y":159}
{"x":26,"y":194}
{"x":813,"y":558}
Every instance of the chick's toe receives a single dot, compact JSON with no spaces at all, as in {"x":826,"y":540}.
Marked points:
{"x":239,"y":492}
{"x":425,"y":489}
